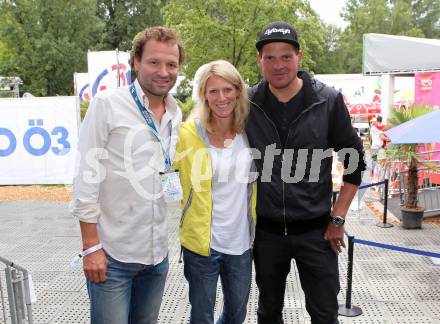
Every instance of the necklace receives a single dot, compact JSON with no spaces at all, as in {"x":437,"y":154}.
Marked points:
{"x":221,"y":140}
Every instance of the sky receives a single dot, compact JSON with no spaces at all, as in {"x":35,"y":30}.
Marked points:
{"x":329,"y":10}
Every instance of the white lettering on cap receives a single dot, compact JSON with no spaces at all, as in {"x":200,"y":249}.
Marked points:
{"x":284,"y":31}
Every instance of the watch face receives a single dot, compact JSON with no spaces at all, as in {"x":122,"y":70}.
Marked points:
{"x":338,"y":220}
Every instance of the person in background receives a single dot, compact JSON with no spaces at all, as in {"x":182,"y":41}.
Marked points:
{"x":218,"y":207}
{"x":377,"y":140}
{"x":127,"y":139}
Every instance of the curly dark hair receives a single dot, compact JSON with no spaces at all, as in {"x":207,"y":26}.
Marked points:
{"x":160,"y":34}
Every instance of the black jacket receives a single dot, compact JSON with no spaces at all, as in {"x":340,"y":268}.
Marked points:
{"x":324,"y":123}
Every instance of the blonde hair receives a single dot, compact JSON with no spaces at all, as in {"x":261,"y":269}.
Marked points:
{"x":227,"y":71}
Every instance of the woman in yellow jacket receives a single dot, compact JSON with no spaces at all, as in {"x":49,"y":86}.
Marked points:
{"x":218,"y":207}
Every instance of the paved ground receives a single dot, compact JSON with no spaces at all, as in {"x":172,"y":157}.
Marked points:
{"x":390,"y":287}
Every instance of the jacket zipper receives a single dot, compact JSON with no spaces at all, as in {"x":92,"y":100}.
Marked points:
{"x":212,"y":200}
{"x":282,"y":157}
{"x":187,"y":205}
{"x":250,"y":218}
{"x":212,"y":206}
{"x":285,"y":143}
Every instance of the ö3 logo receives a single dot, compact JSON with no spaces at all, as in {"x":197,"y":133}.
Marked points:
{"x":60,"y":134}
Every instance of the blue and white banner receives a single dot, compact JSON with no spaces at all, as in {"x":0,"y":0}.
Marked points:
{"x":38,"y":140}
{"x":81,"y":86}
{"x":108,"y":70}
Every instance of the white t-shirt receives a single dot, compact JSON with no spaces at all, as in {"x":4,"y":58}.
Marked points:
{"x":376,"y":141}
{"x":230,"y":223}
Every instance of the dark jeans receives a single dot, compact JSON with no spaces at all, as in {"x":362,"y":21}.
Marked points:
{"x":317,"y":268}
{"x":202,"y":273}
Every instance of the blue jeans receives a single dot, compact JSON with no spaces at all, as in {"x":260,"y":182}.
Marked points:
{"x":202,"y":274}
{"x":132,"y":293}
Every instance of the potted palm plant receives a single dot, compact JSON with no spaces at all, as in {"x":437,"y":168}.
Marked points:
{"x":412,"y":212}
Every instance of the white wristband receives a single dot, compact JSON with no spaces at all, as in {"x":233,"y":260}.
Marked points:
{"x":82,"y":254}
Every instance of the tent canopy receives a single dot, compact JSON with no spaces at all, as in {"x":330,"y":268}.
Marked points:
{"x":389,"y":54}
{"x":423,"y":129}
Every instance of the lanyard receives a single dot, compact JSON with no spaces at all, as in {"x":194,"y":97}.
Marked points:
{"x":150,"y":123}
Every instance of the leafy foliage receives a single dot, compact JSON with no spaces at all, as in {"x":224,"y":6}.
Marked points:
{"x":124,"y":19}
{"x":47,"y":41}
{"x":228,"y":29}
{"x":84,"y":106}
{"x":186,"y":106}
{"x":427,"y":16}
{"x":406,"y":153}
{"x":373,"y":16}
{"x":329,"y":62}
{"x":184,"y":90}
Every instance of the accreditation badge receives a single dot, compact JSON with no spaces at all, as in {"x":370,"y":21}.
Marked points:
{"x":172,"y":189}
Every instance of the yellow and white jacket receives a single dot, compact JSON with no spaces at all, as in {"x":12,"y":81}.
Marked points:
{"x":193,"y":161}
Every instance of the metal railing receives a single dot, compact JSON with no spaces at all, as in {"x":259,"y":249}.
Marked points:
{"x":428,"y":180}
{"x":19,"y":292}
{"x":428,"y":191}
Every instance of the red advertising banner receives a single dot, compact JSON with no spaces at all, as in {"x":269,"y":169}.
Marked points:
{"x":427,"y":89}
{"x":428,"y":93}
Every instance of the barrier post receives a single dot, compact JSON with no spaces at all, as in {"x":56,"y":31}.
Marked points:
{"x":3,"y":301}
{"x":384,"y":223}
{"x":118,"y":80}
{"x":348,"y":309}
{"x":11,"y":296}
{"x":18,"y":286}
{"x":27,"y":294}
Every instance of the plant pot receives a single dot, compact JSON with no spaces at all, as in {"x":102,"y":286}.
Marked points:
{"x":412,"y":217}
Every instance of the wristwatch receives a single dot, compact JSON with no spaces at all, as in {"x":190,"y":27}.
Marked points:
{"x":337,"y":220}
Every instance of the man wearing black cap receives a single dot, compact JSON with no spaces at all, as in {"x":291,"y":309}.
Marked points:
{"x":295,"y":121}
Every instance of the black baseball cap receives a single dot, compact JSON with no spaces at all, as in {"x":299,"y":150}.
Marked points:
{"x":278,"y":31}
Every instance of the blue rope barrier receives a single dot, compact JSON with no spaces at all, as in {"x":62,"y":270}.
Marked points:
{"x":394,"y":247}
{"x":372,"y":184}
{"x":367,"y":185}
{"x":398,"y":248}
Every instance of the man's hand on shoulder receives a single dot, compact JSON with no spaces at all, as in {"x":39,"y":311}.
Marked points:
{"x":95,"y":266}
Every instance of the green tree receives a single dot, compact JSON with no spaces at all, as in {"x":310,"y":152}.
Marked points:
{"x":184,"y":90}
{"x":49,"y":40}
{"x":6,"y":57}
{"x":407,"y":153}
{"x":186,"y":106}
{"x":427,"y":16}
{"x":124,"y":19}
{"x":330,"y":62}
{"x":228,"y":29}
{"x":373,"y":16}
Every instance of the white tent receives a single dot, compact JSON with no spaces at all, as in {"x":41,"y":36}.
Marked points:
{"x":388,"y":55}
{"x":400,"y":54}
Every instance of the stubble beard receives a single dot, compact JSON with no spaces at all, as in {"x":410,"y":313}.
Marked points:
{"x":283,"y":85}
{"x":149,"y":88}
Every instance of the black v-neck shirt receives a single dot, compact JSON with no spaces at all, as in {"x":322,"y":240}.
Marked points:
{"x":283,"y":113}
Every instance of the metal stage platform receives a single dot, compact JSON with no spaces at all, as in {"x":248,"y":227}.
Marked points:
{"x":389,"y":286}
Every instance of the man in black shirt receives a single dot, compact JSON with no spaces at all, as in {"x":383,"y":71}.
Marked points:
{"x":298,"y":122}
